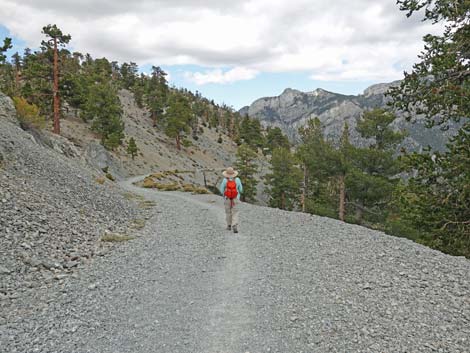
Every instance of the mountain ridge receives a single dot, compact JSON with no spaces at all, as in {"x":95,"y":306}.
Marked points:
{"x":293,"y":108}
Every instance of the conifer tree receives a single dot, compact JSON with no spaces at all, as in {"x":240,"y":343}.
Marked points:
{"x":275,"y":138}
{"x":436,"y":196}
{"x":284,"y":180}
{"x":56,"y":39}
{"x":6,"y":45}
{"x":103,"y":109}
{"x":177,"y":118}
{"x":372,"y":180}
{"x":246,"y":165}
{"x":132,"y":148}
{"x":157,"y":93}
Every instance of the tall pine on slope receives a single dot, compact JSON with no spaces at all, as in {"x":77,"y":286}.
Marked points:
{"x":132,"y":148}
{"x":177,"y":118}
{"x":56,"y":39}
{"x":246,"y":165}
{"x":372,"y":181}
{"x":157,"y":93}
{"x":104,"y":110}
{"x":284,"y":180}
{"x":6,"y":72}
{"x":436,"y":199}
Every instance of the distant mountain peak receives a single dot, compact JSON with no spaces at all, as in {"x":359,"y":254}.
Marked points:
{"x":293,"y":109}
{"x":290,"y":91}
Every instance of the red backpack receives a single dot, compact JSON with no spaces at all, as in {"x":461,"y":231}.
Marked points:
{"x":231,"y":189}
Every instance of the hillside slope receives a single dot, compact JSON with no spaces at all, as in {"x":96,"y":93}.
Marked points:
{"x":157,"y":152}
{"x":54,"y":208}
{"x":292,"y":109}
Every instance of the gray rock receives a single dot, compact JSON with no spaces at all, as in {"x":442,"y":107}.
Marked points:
{"x":7,"y":110}
{"x":4,"y":270}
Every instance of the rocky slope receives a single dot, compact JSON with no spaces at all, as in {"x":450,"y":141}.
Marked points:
{"x":292,"y":109}
{"x":157,"y":152}
{"x":54,"y":209}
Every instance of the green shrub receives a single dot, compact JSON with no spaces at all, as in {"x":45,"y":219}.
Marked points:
{"x":28,"y":114}
{"x":186,"y":143}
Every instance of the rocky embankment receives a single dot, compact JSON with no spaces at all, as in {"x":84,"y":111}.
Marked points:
{"x":53,"y":210}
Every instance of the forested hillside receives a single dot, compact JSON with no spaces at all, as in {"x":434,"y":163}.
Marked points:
{"x":423,"y":193}
{"x":121,"y":119}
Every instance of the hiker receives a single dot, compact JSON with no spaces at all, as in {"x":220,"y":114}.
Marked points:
{"x":231,"y":188}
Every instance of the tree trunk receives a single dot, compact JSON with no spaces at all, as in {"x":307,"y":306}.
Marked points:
{"x":342,"y":197}
{"x":178,"y":142}
{"x":283,"y":200}
{"x":55,"y":90}
{"x":17,"y":82}
{"x":359,"y":211}
{"x":304,"y":189}
{"x":232,"y":126}
{"x":204,"y":175}
{"x":154,"y":119}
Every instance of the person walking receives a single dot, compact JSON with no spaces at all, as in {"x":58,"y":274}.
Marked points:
{"x":231,"y":188}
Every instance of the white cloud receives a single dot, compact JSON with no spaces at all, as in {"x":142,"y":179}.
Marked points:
{"x":219,"y":76}
{"x":331,"y":40}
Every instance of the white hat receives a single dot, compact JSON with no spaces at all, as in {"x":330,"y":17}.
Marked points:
{"x":230,"y":173}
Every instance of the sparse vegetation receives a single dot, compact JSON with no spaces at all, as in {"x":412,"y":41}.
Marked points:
{"x":115,"y":238}
{"x":100,"y":180}
{"x":138,"y":223}
{"x":28,"y":114}
{"x":147,"y":204}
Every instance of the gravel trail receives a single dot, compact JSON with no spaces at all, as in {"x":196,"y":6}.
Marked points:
{"x":288,"y":282}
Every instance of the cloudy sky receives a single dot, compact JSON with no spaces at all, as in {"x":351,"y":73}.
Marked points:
{"x":235,"y":51}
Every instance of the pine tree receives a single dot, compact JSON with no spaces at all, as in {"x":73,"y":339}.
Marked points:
{"x":436,"y":196}
{"x":157,"y":93}
{"x":275,"y":138}
{"x":246,"y":165}
{"x":314,"y":154}
{"x":6,"y":45}
{"x":372,"y":181}
{"x":132,"y":148}
{"x":284,"y":180}
{"x":57,"y":39}
{"x":177,"y":118}
{"x":103,"y":108}
{"x":6,"y":70}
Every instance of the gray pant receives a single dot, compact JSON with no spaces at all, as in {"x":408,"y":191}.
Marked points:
{"x":231,"y":211}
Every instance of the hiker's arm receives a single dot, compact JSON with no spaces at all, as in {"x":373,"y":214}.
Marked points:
{"x":239,"y":186}
{"x":222,"y":186}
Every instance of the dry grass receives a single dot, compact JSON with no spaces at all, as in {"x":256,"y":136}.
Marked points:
{"x":131,"y":196}
{"x":147,"y":204}
{"x":194,"y":189}
{"x":100,"y":180}
{"x":138,"y":223}
{"x":168,"y":187}
{"x":116,"y":238}
{"x":149,"y":183}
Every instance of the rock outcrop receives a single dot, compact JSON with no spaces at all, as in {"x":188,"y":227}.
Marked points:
{"x":7,"y":109}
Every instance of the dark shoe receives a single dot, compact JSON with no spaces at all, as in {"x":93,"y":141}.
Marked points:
{"x":235,"y":230}
{"x":229,"y":227}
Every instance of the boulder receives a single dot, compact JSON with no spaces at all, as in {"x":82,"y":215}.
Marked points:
{"x":7,"y":109}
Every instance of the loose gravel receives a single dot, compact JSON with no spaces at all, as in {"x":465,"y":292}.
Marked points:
{"x":288,"y":282}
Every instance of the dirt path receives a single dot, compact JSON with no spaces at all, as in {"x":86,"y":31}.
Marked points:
{"x":288,"y":282}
